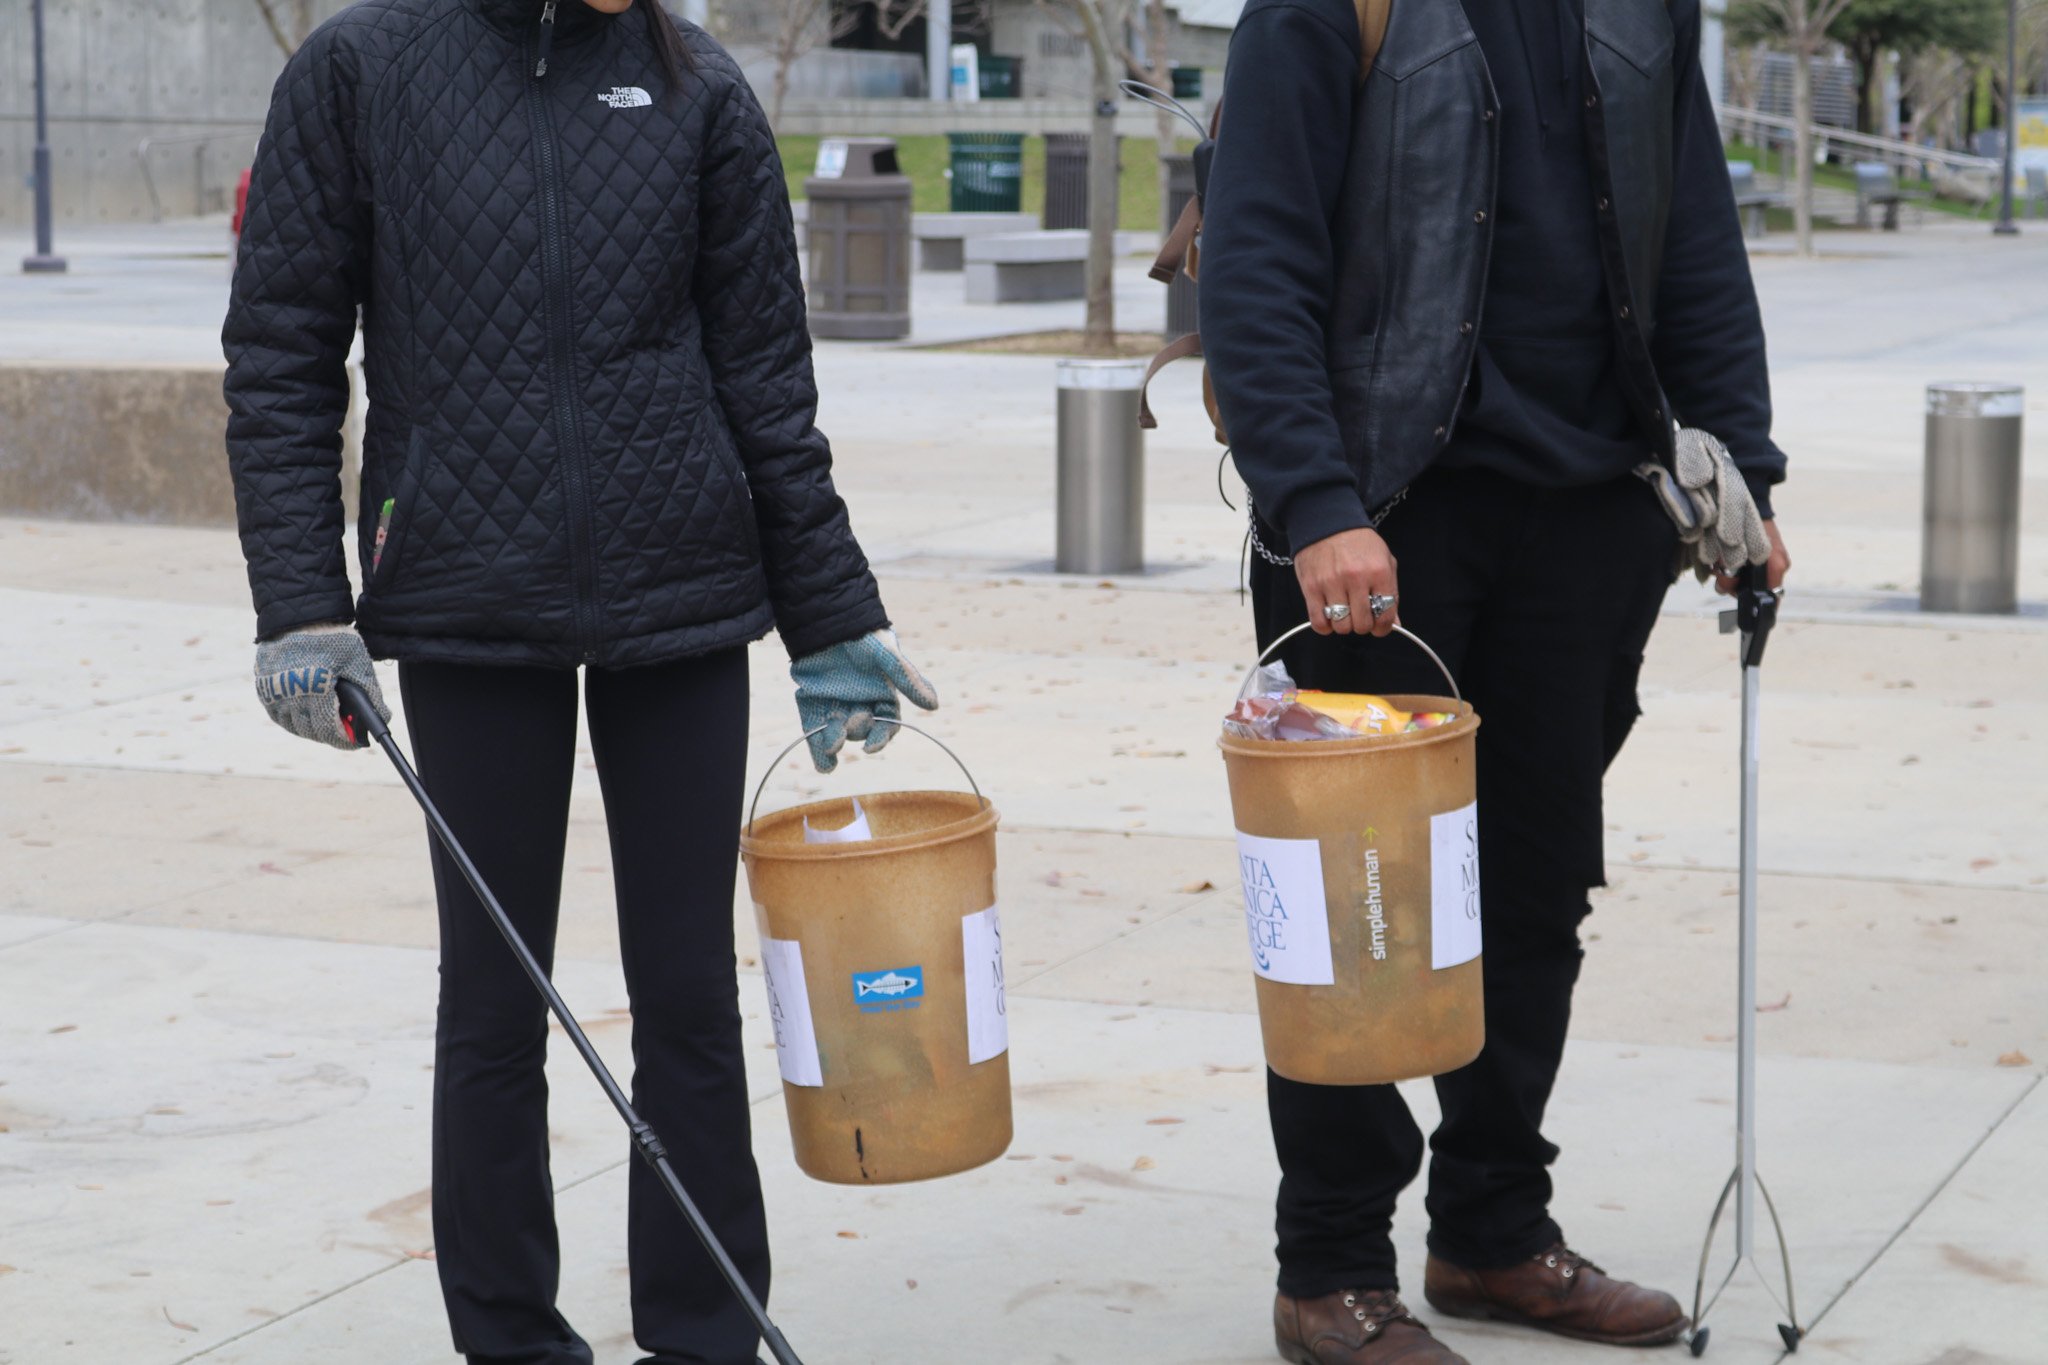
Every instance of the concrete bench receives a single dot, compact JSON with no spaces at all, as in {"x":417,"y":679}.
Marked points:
{"x":1026,"y":267}
{"x":1877,"y":186}
{"x":1754,"y":204}
{"x":942,"y":237}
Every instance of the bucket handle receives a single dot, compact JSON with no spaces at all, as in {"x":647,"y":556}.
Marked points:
{"x":755,"y":808}
{"x":1399,"y":629}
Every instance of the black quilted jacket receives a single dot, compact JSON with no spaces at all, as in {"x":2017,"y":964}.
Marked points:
{"x":591,"y":429}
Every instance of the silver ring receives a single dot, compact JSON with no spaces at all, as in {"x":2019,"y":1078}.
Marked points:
{"x":1382,"y":603}
{"x":1336,"y":611}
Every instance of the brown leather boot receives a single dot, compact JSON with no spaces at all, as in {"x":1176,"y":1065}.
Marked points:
{"x":1558,"y":1291}
{"x":1355,"y":1327}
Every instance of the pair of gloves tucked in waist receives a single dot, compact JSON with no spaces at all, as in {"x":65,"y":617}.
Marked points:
{"x":845,"y":692}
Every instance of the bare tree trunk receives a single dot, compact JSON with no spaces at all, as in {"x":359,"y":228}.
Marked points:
{"x":1164,"y":123}
{"x":783,"y":61}
{"x":1100,"y":330}
{"x":1802,"y":143}
{"x":285,"y":43}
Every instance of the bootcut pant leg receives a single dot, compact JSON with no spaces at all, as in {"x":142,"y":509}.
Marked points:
{"x":671,"y":747}
{"x":1552,"y":668}
{"x":496,"y":748}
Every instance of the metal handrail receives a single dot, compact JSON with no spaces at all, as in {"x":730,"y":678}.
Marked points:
{"x":1893,"y":151}
{"x":155,"y":140}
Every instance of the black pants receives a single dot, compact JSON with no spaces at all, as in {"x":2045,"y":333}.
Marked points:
{"x":497,"y":748}
{"x":1540,"y":601}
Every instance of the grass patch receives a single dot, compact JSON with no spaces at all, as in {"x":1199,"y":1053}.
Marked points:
{"x":925,"y":159}
{"x":1066,"y":342}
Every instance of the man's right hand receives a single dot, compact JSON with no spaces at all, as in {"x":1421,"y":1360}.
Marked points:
{"x":1348,"y":569}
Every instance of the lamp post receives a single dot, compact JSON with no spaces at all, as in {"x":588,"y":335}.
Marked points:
{"x":44,"y":261}
{"x":2006,"y":227}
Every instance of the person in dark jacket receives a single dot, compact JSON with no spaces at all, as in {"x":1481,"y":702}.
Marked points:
{"x":1452,"y":308}
{"x":591,"y":445}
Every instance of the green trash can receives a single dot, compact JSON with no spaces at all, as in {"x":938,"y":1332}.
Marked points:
{"x":988,"y":172}
{"x":1187,"y":82}
{"x":1002,"y":78}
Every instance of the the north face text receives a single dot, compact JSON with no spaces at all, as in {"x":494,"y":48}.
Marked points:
{"x":627,"y":97}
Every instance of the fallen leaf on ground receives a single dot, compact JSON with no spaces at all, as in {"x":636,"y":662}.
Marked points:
{"x":1979,"y":864}
{"x":910,"y":1284}
{"x":273,"y":869}
{"x":2015,"y":1059}
{"x":1211,"y":1069}
{"x":1143,"y":1163}
{"x":425,"y":1255}
{"x":1162,"y":1122}
{"x":6,"y":1270}
{"x":65,"y":1028}
{"x":1773,"y":1009}
{"x":848,"y":1235}
{"x":181,"y":1326}
{"x":1071,"y":1212}
{"x":1197,"y":888}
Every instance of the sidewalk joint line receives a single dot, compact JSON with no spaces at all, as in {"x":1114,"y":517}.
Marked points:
{"x":1920,"y":1208}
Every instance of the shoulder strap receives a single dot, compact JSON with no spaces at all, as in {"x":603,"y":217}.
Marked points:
{"x":1372,"y":32}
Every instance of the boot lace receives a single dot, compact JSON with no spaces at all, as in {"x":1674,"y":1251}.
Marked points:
{"x":1566,"y":1262}
{"x":1376,"y":1308}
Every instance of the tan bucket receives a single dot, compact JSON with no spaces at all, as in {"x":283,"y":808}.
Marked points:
{"x":885,"y":982}
{"x":1359,"y":860}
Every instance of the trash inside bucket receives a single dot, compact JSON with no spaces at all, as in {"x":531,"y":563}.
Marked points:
{"x":1360,"y":866}
{"x":884,"y":965}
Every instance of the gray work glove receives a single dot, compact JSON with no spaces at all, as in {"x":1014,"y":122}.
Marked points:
{"x":1719,"y":527}
{"x":296,"y":675}
{"x":842,"y":692}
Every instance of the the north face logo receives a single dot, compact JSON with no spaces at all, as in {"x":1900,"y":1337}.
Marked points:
{"x":627,"y":97}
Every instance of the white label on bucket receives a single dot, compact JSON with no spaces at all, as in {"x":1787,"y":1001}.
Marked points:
{"x":854,"y":832}
{"x":1284,"y":913}
{"x":789,"y":1010}
{"x":1454,"y":887}
{"x":988,"y":1008}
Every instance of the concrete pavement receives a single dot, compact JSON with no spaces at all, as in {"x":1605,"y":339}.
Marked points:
{"x":216,"y":944}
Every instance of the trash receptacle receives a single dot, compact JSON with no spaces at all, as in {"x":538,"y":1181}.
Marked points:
{"x":1101,"y":475}
{"x":883,"y":958}
{"x":988,"y":172}
{"x":1187,"y":82}
{"x":1181,"y":307}
{"x":1002,"y":78}
{"x":1066,"y":179}
{"x":1970,"y":508}
{"x":1360,"y":865}
{"x":859,"y":241}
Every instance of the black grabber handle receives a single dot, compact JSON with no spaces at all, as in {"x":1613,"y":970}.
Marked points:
{"x":1756,"y":611}
{"x":363,"y":718}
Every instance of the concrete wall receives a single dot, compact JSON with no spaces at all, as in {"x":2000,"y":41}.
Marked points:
{"x":910,"y":118}
{"x":123,"y":70}
{"x":129,"y":443}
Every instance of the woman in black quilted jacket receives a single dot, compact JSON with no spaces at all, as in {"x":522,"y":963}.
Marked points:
{"x":590,"y":445}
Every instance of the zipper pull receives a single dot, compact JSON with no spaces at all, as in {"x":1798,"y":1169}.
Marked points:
{"x":547,"y":38}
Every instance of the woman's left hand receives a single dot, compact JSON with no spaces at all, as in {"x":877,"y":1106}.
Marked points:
{"x":849,"y":691}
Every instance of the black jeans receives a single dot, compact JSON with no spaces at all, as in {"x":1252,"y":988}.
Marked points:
{"x":496,"y":747}
{"x":1540,"y":601}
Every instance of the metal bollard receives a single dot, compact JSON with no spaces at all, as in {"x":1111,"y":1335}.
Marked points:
{"x":1101,"y":467}
{"x":1970,"y":510}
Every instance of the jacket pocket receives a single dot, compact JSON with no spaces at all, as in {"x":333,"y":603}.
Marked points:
{"x":396,"y":518}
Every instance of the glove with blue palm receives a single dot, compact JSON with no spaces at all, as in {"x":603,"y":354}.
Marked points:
{"x":841,"y":693}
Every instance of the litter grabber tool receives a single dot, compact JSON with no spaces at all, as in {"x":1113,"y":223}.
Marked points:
{"x":1756,"y":611}
{"x":882,"y":954}
{"x":362,"y":717}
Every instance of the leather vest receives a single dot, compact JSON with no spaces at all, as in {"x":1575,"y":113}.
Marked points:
{"x":1416,"y":219}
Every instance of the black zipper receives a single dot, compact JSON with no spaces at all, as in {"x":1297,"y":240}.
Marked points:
{"x":561,"y":353}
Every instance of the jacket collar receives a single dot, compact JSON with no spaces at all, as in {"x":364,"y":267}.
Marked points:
{"x":520,"y":19}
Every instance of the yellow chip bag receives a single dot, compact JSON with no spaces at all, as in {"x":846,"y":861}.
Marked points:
{"x":1360,"y":711}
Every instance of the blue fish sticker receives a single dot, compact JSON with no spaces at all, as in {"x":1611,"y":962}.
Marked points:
{"x":896,"y":989}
